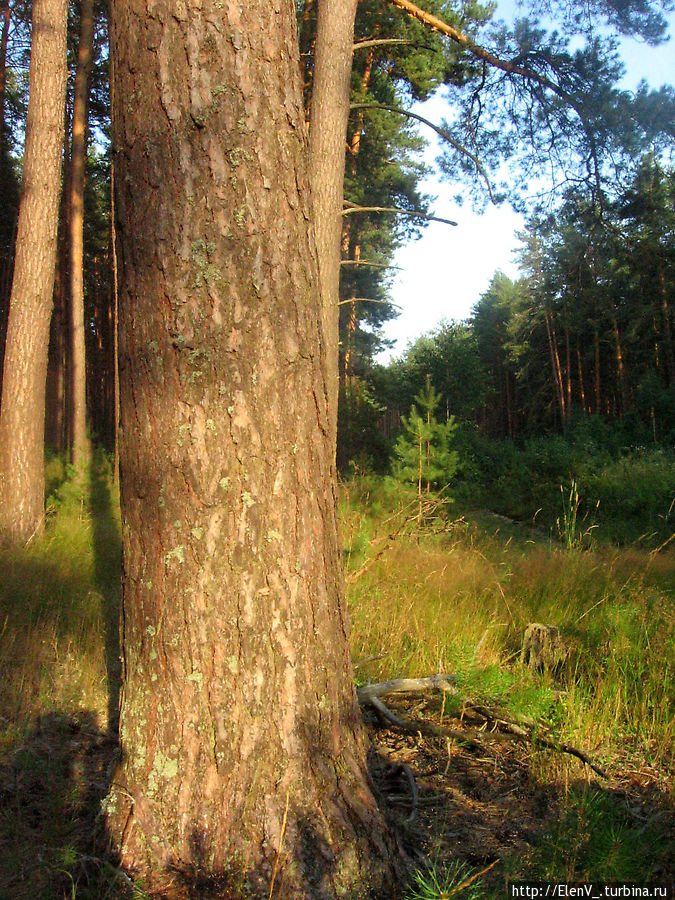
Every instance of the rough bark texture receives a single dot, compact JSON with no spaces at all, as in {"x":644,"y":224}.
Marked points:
{"x":328,"y":133}
{"x":242,"y":752}
{"x":22,"y":416}
{"x":78,"y":159}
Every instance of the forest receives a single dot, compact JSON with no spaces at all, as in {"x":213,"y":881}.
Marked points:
{"x":278,"y":619}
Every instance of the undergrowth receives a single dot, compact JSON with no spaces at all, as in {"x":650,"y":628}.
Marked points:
{"x":458,"y":599}
{"x":451,"y":592}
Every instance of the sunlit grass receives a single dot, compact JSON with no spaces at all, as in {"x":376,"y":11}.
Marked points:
{"x":460,"y":602}
{"x":58,"y":607}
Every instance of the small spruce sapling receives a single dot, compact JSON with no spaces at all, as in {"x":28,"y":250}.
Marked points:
{"x":423,"y":449}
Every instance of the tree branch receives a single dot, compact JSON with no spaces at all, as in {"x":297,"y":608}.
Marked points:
{"x":365,"y":262}
{"x":366,"y":300}
{"x":441,"y":132}
{"x":511,"y":67}
{"x":378,"y":42}
{"x":391,"y":209}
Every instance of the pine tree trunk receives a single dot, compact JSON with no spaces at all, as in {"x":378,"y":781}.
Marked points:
{"x":242,"y":748}
{"x":667,"y":331}
{"x":78,"y":159}
{"x":330,"y":112}
{"x":22,"y":416}
{"x":620,"y":367}
{"x":598,"y":382}
{"x":55,"y":400}
{"x":582,"y":392}
{"x":4,"y":38}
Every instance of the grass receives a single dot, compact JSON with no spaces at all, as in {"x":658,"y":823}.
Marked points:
{"x":59,"y":657}
{"x":458,"y":600}
{"x":455,"y":598}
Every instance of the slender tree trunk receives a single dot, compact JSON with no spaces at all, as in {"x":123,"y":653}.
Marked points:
{"x":78,"y":160}
{"x":328,"y":134}
{"x":58,"y":392}
{"x":598,"y":383}
{"x":115,"y":313}
{"x":667,"y":331}
{"x":22,"y":415}
{"x":306,"y":41}
{"x":620,"y":367}
{"x":582,"y":392}
{"x":242,"y":749}
{"x":568,"y":372}
{"x":55,"y":400}
{"x":555,"y":364}
{"x":5,"y":13}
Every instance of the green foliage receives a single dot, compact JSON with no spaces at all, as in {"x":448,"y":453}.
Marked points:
{"x":597,"y":839}
{"x":423,"y":454}
{"x":438,"y":881}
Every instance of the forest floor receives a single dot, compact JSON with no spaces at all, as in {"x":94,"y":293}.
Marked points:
{"x":490,"y":816}
{"x":471,"y":816}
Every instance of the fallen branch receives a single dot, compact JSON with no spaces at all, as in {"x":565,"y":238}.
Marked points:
{"x":421,"y":727}
{"x":414,"y":792}
{"x":369,"y":694}
{"x":445,"y":683}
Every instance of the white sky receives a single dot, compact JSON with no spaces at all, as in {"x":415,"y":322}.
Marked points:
{"x":444,"y":272}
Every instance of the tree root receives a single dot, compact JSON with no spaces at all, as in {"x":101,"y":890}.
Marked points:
{"x":526,"y":732}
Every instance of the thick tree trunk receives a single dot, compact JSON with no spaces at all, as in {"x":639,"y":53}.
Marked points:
{"x":242,"y":751}
{"x":328,"y":135}
{"x":78,"y":160}
{"x":22,"y":416}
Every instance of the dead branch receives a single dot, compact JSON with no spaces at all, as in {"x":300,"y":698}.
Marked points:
{"x":429,"y":507}
{"x":415,"y":795}
{"x":524,"y":731}
{"x":445,"y":683}
{"x":422,"y":727}
{"x":380,"y":42}
{"x":365,"y":262}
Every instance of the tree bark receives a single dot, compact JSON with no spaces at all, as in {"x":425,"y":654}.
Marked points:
{"x":328,"y":136}
{"x":22,"y":416}
{"x":4,"y":37}
{"x":242,"y":748}
{"x":78,"y":160}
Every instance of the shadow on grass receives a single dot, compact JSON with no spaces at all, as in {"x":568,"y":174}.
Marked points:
{"x":107,"y":547}
{"x":51,"y":843}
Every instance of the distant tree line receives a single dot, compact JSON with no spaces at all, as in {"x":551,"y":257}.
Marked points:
{"x":586,"y":331}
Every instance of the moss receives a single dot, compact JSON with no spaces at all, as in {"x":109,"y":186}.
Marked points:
{"x":197,"y":677}
{"x":178,"y":553}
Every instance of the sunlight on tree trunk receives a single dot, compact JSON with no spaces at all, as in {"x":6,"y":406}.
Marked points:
{"x":242,"y":747}
{"x":78,"y":160}
{"x":22,"y":415}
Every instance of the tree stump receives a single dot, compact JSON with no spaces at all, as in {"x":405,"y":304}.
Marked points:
{"x":543,"y":647}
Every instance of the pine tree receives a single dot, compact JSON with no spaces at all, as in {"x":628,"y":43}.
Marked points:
{"x":423,"y":450}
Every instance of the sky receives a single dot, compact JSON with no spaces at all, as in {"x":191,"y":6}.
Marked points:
{"x":442,"y":274}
